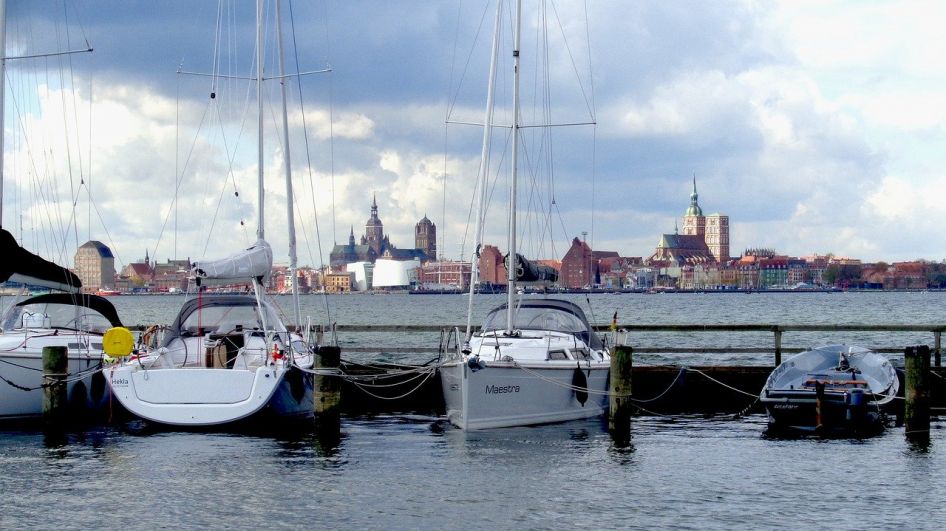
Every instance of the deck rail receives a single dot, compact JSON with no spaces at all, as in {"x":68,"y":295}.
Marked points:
{"x":775,"y":348}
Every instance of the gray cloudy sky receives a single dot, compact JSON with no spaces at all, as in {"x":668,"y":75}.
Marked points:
{"x":816,"y":126}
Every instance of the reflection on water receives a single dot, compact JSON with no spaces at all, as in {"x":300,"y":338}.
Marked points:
{"x":409,"y":471}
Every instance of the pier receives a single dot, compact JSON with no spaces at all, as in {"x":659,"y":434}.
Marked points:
{"x":676,"y":385}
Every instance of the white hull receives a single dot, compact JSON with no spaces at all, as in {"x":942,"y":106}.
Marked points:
{"x":210,"y":397}
{"x":504,"y":395}
{"x":24,"y":368}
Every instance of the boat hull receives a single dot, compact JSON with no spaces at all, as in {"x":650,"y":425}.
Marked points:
{"x":505,"y":394}
{"x":804,"y":412}
{"x":211,"y":397}
{"x":21,"y":395}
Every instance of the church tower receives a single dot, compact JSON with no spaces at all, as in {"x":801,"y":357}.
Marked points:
{"x":694,"y":223}
{"x":425,"y":237}
{"x":374,"y":229}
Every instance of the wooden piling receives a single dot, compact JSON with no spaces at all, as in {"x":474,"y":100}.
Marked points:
{"x":328,"y":388}
{"x":55,"y":371}
{"x":916,"y":414}
{"x":778,"y":347}
{"x":937,"y":351}
{"x":619,"y":414}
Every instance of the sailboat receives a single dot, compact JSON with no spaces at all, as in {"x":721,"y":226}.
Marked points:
{"x":62,"y":318}
{"x":533,"y":361}
{"x":226,"y":358}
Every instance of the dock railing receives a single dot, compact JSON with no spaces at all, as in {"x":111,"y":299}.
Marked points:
{"x":630,"y":334}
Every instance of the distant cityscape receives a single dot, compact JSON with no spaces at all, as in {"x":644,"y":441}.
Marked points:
{"x":694,"y":259}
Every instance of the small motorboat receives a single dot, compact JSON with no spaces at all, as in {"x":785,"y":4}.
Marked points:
{"x":831,"y":389}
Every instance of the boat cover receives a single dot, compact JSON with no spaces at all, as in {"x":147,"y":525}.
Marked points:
{"x":209,"y":303}
{"x":256,"y":262}
{"x":20,"y":265}
{"x":529,"y":271}
{"x":93,"y":302}
{"x":587,"y":334}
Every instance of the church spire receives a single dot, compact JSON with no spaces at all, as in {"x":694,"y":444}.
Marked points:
{"x":694,"y":209}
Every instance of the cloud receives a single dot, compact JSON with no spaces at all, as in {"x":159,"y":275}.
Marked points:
{"x":814,"y":125}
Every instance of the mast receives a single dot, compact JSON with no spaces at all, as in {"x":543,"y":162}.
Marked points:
{"x":3,"y":87}
{"x":259,"y":117}
{"x":483,"y":170}
{"x":513,"y":257}
{"x":287,"y":163}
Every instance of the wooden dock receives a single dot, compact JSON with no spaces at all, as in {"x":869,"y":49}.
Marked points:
{"x":666,"y":389}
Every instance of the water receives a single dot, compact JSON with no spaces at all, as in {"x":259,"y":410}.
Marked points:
{"x":406,"y":471}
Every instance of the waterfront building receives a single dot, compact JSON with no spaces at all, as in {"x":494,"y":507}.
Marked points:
{"x":95,"y":266}
{"x":338,"y":282}
{"x":135,"y":276}
{"x":773,"y":272}
{"x":492,"y":268}
{"x":580,"y":265}
{"x":364,"y":275}
{"x":445,"y":274}
{"x":394,"y":274}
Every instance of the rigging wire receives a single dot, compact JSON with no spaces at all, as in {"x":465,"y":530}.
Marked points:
{"x":305,"y":131}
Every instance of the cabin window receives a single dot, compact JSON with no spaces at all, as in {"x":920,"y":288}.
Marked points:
{"x":581,"y":354}
{"x":557,"y":355}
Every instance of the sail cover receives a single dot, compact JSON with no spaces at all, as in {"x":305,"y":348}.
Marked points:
{"x":19,"y":265}
{"x":254,"y":262}
{"x":529,"y":271}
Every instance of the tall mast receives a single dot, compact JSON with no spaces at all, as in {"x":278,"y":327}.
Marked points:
{"x":287,"y":163}
{"x":259,"y":116}
{"x":3,"y":87}
{"x":513,"y":261}
{"x":484,"y":169}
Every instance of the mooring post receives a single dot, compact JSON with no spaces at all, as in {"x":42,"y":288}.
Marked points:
{"x":327,"y":386}
{"x":916,"y":413}
{"x":55,"y":369}
{"x":937,"y":336}
{"x":619,"y":414}
{"x":778,"y":346}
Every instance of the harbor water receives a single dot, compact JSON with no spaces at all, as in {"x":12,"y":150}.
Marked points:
{"x":409,"y":471}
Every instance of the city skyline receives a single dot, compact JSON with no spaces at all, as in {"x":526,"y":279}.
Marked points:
{"x":810,"y":144}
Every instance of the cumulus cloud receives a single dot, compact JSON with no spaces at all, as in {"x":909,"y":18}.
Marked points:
{"x":813,"y":125}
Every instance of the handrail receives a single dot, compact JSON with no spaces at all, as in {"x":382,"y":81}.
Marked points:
{"x":776,"y":329}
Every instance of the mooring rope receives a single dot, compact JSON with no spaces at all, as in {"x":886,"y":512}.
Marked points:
{"x":76,"y":376}
{"x":727,"y":386}
{"x":419,"y":385}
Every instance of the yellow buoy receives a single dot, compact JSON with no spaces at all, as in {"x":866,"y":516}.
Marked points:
{"x":118,"y":342}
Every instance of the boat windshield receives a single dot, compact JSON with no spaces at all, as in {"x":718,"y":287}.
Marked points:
{"x":54,"y":315}
{"x":226,"y":319}
{"x":536,"y":318}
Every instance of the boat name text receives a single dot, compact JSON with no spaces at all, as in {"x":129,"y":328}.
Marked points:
{"x":500,"y":389}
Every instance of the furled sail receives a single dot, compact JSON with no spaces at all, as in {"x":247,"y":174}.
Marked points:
{"x":529,"y":271}
{"x":254,"y":262}
{"x":19,"y":265}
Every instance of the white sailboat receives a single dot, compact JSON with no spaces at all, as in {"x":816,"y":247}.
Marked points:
{"x":65,"y":318}
{"x":533,"y":361}
{"x":226,"y":358}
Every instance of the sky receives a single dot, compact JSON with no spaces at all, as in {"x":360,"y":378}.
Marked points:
{"x":816,"y":126}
